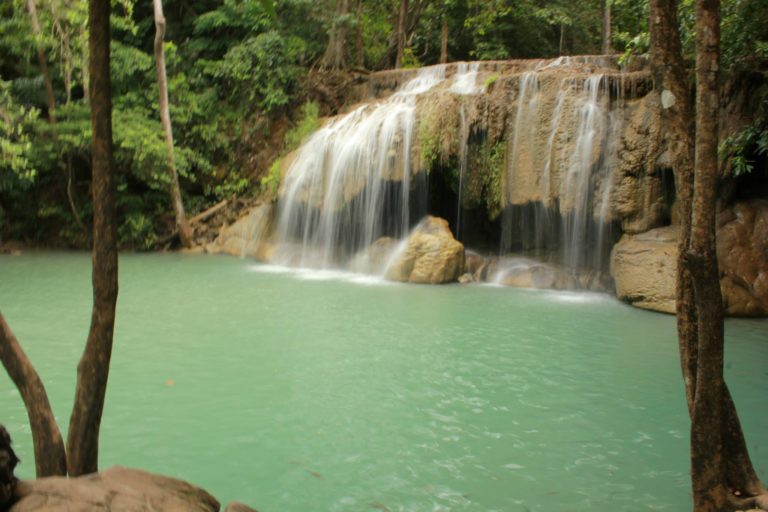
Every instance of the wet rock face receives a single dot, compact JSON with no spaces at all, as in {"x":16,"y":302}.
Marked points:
{"x":742,"y":253}
{"x":116,"y":489}
{"x":430,"y":254}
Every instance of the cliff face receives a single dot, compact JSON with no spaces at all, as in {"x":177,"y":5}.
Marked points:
{"x":549,"y":159}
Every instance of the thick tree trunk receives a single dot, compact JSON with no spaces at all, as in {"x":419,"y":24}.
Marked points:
{"x":359,"y":52}
{"x":185,"y":231}
{"x":402,"y":21}
{"x":607,"y":33}
{"x":50,"y":459}
{"x":42,"y":61}
{"x":93,"y":369}
{"x":444,"y":41}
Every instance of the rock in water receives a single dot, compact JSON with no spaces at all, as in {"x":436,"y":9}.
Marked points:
{"x":429,"y":255}
{"x":643,"y":267}
{"x":116,"y":489}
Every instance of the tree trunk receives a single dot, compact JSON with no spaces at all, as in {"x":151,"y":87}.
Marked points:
{"x":607,"y":47}
{"x":359,"y":52}
{"x":402,"y":20}
{"x":335,"y":56}
{"x":444,"y":41}
{"x":93,"y":369}
{"x":50,"y":459}
{"x":43,"y":62}
{"x":707,"y":474}
{"x":185,"y":231}
{"x":697,"y":322}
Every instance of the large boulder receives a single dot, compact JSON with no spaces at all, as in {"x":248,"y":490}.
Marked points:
{"x":643,"y":267}
{"x":247,"y":237}
{"x":429,"y":255}
{"x":116,"y":489}
{"x":742,"y":253}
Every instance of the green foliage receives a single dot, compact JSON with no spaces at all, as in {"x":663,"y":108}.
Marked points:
{"x":271,"y":182}
{"x":15,"y":168}
{"x":741,"y":149}
{"x":308,"y":124}
{"x":409,"y":59}
{"x":492,"y":164}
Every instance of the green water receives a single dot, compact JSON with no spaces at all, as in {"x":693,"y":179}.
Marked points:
{"x":295,"y":393}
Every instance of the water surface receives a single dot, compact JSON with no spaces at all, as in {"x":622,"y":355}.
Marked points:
{"x":313,"y":391}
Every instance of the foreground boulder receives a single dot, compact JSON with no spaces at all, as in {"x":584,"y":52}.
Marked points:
{"x":247,"y":236}
{"x":527,"y":273}
{"x":429,"y":255}
{"x":116,"y":489}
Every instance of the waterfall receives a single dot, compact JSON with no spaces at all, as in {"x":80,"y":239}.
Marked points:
{"x":465,"y":84}
{"x":350,"y":183}
{"x":361,"y":177}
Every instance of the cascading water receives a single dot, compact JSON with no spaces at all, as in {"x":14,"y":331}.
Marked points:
{"x":364,"y":174}
{"x":465,"y":84}
{"x":350,"y":183}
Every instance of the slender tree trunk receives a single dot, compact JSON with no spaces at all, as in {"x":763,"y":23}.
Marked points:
{"x":670,"y":76}
{"x":359,"y":52}
{"x":562,"y":39}
{"x":185,"y":231}
{"x":707,"y":475}
{"x":42,"y":61}
{"x":93,"y":369}
{"x":50,"y":459}
{"x":84,"y":57}
{"x":335,"y":56}
{"x":444,"y":40}
{"x":607,"y":46}
{"x":402,"y":20}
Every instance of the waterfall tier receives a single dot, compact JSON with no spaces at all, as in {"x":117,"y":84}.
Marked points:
{"x":548,"y":158}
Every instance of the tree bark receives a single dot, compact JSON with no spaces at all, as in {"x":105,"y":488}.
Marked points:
{"x":698,"y":307}
{"x":444,"y":40}
{"x":50,"y":458}
{"x":185,"y":231}
{"x":93,"y":369}
{"x":335,"y":56}
{"x":607,"y":35}
{"x":42,"y":61}
{"x":402,"y":20}
{"x":359,"y":52}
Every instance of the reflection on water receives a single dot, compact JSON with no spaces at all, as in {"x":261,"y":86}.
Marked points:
{"x":299,"y":392}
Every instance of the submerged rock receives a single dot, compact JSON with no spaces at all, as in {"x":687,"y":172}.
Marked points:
{"x":247,"y":237}
{"x":374,"y":258}
{"x":429,"y":255}
{"x":527,"y":273}
{"x":116,"y":489}
{"x":644,"y":266}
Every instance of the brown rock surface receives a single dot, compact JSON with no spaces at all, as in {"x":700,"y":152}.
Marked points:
{"x":643,"y":267}
{"x":116,"y":489}
{"x":429,"y":255}
{"x":247,"y":236}
{"x":742,"y":253}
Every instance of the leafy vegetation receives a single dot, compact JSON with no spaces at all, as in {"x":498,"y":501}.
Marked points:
{"x":235,"y":69}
